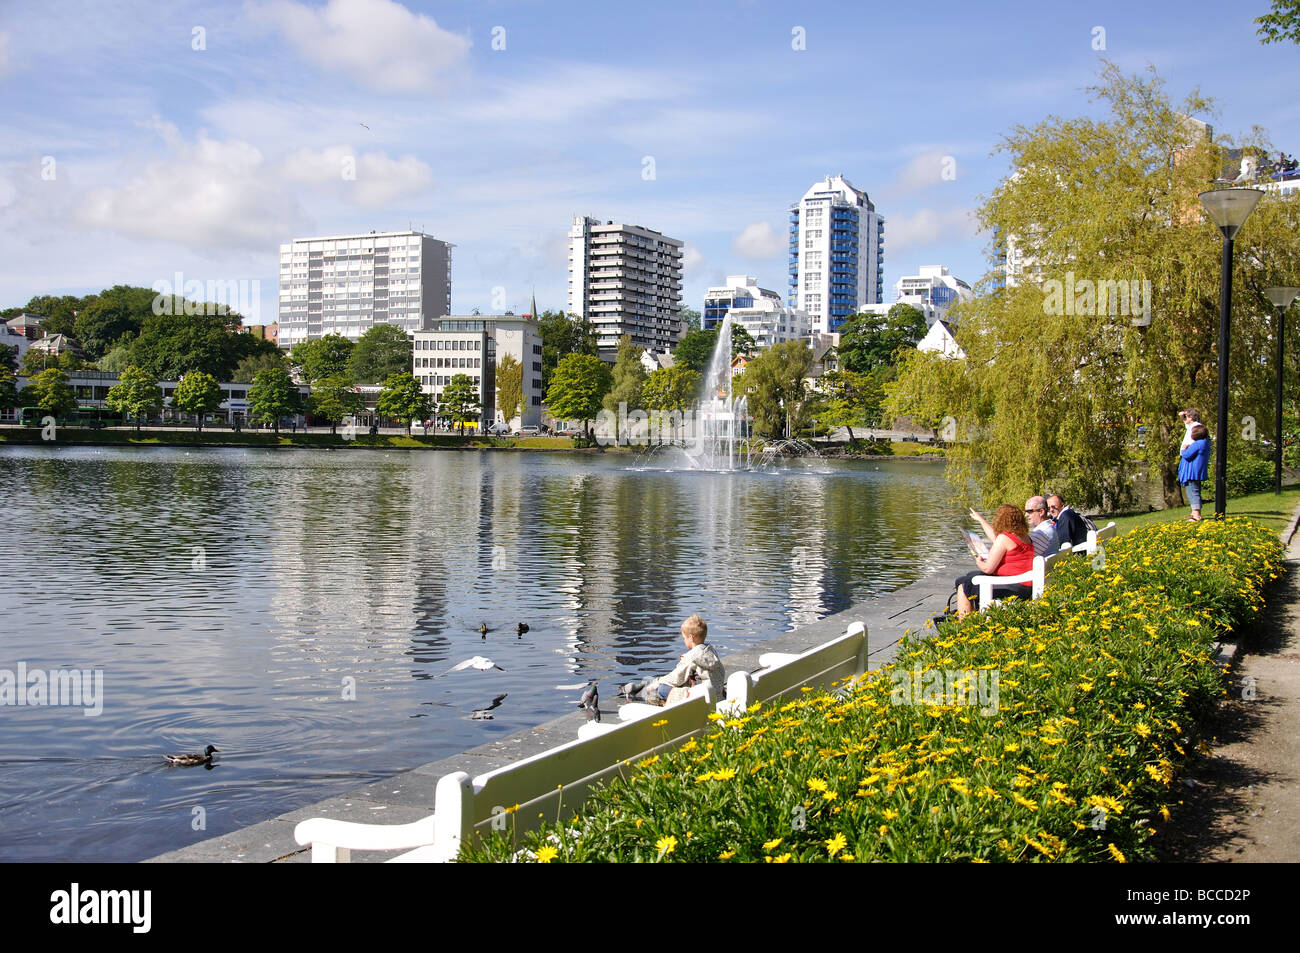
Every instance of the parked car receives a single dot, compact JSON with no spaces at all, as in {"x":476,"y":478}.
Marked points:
{"x":568,"y":432}
{"x":528,"y":431}
{"x":418,"y":429}
{"x":499,"y":430}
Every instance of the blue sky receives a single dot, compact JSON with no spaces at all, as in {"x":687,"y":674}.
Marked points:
{"x":127,"y":155}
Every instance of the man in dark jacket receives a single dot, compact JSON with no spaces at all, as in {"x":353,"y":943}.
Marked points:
{"x":1070,"y":527}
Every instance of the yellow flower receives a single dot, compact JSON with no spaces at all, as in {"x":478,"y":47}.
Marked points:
{"x":836,"y":844}
{"x":546,"y":854}
{"x":884,"y":829}
{"x":1025,"y":801}
{"x":783,"y":859}
{"x":829,"y":796}
{"x":1164,"y":812}
{"x":638,"y":823}
{"x":772,"y":844}
{"x":1115,"y":852}
{"x":659,"y":724}
{"x":726,"y":774}
{"x":666,"y":845}
{"x":1011,"y":747}
{"x":647,"y":762}
{"x":511,"y":810}
{"x":727,"y":855}
{"x":816,"y":784}
{"x":846,"y":856}
{"x":707,"y":776}
{"x":1142,"y":729}
{"x":890,"y":815}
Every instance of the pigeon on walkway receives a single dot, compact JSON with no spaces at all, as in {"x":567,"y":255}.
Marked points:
{"x":478,"y":662}
{"x":630,"y":690}
{"x":591,"y":702}
{"x":481,"y":714}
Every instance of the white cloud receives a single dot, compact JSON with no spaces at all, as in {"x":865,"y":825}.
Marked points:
{"x":926,"y":227}
{"x":924,"y":171}
{"x":759,"y":242}
{"x":692,"y":259}
{"x":369,"y":179}
{"x":379,"y":43}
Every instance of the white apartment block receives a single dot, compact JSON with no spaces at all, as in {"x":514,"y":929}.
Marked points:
{"x":473,"y":344}
{"x":759,"y":310}
{"x":346,"y":284}
{"x":935,"y":286}
{"x":625,"y":279}
{"x":837,"y":257}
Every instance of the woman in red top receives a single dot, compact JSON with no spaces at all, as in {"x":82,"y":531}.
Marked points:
{"x":1011,"y":554}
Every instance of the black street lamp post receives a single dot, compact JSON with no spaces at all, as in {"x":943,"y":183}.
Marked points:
{"x":1228,"y":209}
{"x":1281,"y":299}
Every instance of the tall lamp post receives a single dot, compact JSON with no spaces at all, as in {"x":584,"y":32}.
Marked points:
{"x":1228,"y":209}
{"x":1281,"y":299}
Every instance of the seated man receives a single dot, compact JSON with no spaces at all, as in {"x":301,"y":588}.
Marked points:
{"x":699,"y":664}
{"x":1070,"y":527}
{"x":1042,"y":531}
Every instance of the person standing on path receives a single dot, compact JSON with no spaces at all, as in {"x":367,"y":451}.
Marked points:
{"x":1193,"y":467}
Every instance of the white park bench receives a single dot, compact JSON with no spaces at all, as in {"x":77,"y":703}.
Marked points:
{"x":783,"y":673}
{"x":1098,"y":536}
{"x":552,"y":783}
{"x":1037,"y":577}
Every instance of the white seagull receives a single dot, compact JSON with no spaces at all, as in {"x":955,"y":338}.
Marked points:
{"x":478,"y":662}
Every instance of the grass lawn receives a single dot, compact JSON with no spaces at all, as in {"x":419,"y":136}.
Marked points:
{"x":1269,"y":509}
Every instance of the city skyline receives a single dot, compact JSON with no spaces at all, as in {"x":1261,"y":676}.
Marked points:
{"x":231,"y":131}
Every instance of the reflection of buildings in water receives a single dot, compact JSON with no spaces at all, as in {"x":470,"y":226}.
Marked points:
{"x":808,"y":567}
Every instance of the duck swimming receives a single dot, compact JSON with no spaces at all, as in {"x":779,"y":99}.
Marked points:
{"x":189,"y":760}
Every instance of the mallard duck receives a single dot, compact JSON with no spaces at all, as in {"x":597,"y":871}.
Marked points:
{"x":521,"y":628}
{"x":189,"y":760}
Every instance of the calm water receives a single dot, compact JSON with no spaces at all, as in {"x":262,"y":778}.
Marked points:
{"x":239,"y":597}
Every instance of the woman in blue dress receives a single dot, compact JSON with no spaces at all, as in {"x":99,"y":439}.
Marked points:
{"x":1195,"y":467}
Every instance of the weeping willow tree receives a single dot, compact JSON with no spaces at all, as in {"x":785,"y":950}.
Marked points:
{"x":1108,"y":318}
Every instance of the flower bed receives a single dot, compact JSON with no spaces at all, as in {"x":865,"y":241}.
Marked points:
{"x":1046,"y":730}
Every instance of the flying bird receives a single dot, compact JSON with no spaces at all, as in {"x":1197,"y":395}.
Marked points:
{"x":478,"y":662}
{"x":591,"y":702}
{"x":481,"y":714}
{"x":190,"y":760}
{"x":365,"y":127}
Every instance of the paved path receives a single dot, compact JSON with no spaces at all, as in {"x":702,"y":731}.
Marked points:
{"x":409,"y":796}
{"x":1242,"y":802}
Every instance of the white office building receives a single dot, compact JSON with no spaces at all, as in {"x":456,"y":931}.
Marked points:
{"x":837,"y":256}
{"x":760,"y":311}
{"x":346,"y":284}
{"x":473,"y":344}
{"x":933,"y":285}
{"x":625,"y":279}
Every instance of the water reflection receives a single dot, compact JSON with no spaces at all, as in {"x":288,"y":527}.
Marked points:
{"x":298,"y":609}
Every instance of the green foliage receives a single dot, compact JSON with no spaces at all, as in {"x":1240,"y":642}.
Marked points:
{"x":384,"y":350}
{"x":578,"y":387}
{"x":1281,"y":23}
{"x":9,"y":357}
{"x":59,"y":312}
{"x":695,"y":349}
{"x":116,"y":360}
{"x":460,"y":400}
{"x":246,"y":370}
{"x":510,"y":387}
{"x":35,"y":361}
{"x":1045,"y":397}
{"x":172,"y":345}
{"x":8,"y":388}
{"x":563,"y":335}
{"x":114,"y":312}
{"x":690,"y":317}
{"x":742,"y":342}
{"x":869,"y":341}
{"x":50,"y":391}
{"x":627,"y":380}
{"x":199,"y":394}
{"x":671,"y":388}
{"x":327,"y":356}
{"x":272,"y":396}
{"x":851,"y":400}
{"x":136,"y":394}
{"x":335,"y":397}
{"x":774,"y":384}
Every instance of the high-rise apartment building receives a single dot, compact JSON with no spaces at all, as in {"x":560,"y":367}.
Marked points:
{"x":932,"y":285}
{"x":625,"y":279}
{"x":346,"y":284}
{"x":474,"y":345}
{"x":837,"y":256}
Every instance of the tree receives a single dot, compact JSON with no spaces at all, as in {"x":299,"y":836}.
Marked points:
{"x":8,"y":389}
{"x":49,"y":390}
{"x":510,"y":387}
{"x":326,"y":356}
{"x":247,"y":368}
{"x":460,"y":400}
{"x":563,"y":335}
{"x":335,"y":397}
{"x":689,"y":317}
{"x":695,"y":349}
{"x":869,"y":341}
{"x":117,"y":311}
{"x":851,"y":400}
{"x":136,"y":394}
{"x":272,"y":396}
{"x":171,"y":345}
{"x":39,"y":359}
{"x":578,"y":387}
{"x":1283,"y":23}
{"x":199,"y":394}
{"x":742,"y":342}
{"x":116,"y":360}
{"x":626,"y":380}
{"x":59,"y":312}
{"x":671,"y":388}
{"x":381,"y":352}
{"x":774,"y":384}
{"x":1063,"y":365}
{"x":9,"y":357}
